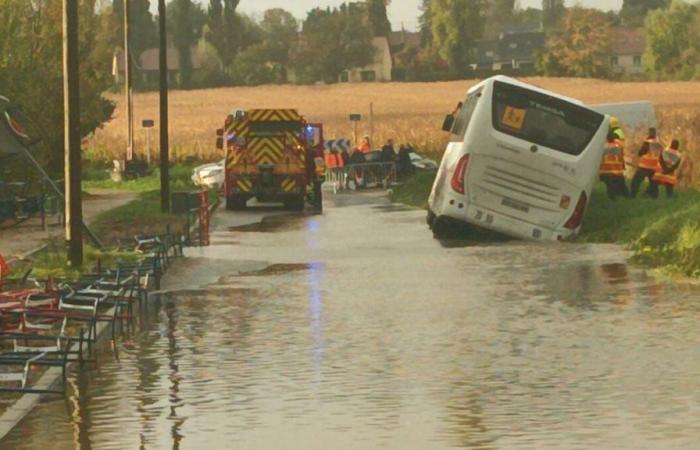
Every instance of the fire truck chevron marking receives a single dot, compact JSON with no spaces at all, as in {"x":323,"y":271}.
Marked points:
{"x":289,"y":184}
{"x":244,"y":185}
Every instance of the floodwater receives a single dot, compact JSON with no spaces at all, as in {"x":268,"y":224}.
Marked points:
{"x":357,"y":330}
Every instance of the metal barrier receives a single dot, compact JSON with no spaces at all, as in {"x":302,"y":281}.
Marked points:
{"x":364,"y":175}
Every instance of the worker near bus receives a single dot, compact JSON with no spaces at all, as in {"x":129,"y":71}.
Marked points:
{"x":388,"y":152}
{"x":669,"y":162}
{"x":617,"y":130}
{"x":612,"y":167}
{"x":648,"y":163}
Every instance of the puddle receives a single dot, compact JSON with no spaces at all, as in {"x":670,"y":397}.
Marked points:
{"x":271,"y":224}
{"x":277,"y":269}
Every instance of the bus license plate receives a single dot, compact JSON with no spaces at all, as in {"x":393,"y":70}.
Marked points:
{"x":515,"y":205}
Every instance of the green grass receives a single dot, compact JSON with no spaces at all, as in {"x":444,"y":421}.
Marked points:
{"x":179,"y":180}
{"x":662,"y":233}
{"x":140,"y":216}
{"x":52,"y":261}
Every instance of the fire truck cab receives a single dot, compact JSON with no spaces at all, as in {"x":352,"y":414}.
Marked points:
{"x":273,"y":155}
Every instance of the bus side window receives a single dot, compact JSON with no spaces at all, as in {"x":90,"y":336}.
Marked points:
{"x":463,"y":117}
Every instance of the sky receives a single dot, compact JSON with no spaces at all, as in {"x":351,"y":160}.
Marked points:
{"x":404,"y":12}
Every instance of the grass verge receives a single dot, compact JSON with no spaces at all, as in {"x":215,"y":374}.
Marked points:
{"x":179,"y":180}
{"x":662,"y":233}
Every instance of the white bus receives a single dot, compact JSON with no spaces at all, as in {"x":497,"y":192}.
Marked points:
{"x":521,"y":161}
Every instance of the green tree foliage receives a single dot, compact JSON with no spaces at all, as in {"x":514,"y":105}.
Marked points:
{"x":634,"y":12}
{"x":144,"y":33}
{"x":333,"y":40}
{"x":552,"y":12}
{"x":673,"y":42}
{"x":214,"y":32}
{"x":186,"y":23}
{"x":31,"y":71}
{"x":580,"y":48}
{"x":456,"y":24}
{"x":267,"y":61}
{"x":425,"y":23}
{"x":378,"y":18}
{"x":500,"y":14}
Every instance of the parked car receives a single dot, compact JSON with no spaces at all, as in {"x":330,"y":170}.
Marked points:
{"x":210,"y":175}
{"x":421,"y":162}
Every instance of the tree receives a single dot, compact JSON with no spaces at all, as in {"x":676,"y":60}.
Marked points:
{"x":186,"y":22}
{"x":552,"y":12}
{"x":456,"y":24}
{"x":634,"y":12}
{"x":581,"y":47}
{"x":672,"y":42}
{"x":267,"y":61}
{"x":501,"y":13}
{"x":378,"y":18}
{"x":214,"y":33}
{"x":31,"y":71}
{"x":426,"y":24}
{"x":333,"y":40}
{"x":144,"y":34}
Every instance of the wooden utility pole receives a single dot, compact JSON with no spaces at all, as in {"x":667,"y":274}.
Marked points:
{"x":164,"y":144}
{"x":71,"y":101}
{"x":127,"y":85}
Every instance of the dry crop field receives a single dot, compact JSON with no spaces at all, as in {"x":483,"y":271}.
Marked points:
{"x":408,"y":112}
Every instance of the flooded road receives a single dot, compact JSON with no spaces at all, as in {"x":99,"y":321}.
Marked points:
{"x":357,"y":330}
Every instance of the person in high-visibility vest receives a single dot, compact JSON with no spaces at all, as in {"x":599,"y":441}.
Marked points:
{"x":617,"y":130}
{"x":649,"y":156}
{"x":669,"y":162}
{"x":612,"y":168}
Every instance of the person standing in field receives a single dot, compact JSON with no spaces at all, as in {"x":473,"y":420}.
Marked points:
{"x":612,"y":168}
{"x":649,"y":156}
{"x":670,"y":160}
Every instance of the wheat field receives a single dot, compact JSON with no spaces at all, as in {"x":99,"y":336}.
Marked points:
{"x":407,"y":112}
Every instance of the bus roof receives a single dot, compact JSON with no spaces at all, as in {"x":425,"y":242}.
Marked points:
{"x":513,"y":81}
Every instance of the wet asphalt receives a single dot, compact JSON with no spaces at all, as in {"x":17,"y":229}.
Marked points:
{"x":355,"y":329}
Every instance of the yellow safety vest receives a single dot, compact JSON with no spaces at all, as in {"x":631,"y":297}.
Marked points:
{"x":613,"y":160}
{"x":671,"y":157}
{"x":650,"y":160}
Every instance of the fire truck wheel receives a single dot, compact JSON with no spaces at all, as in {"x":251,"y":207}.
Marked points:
{"x":236,"y":203}
{"x":295,"y":204}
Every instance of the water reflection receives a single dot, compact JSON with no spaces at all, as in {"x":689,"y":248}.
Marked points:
{"x":380,"y":337}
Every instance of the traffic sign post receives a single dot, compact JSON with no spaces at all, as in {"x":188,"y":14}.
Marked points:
{"x":355,"y":119}
{"x":147,"y":124}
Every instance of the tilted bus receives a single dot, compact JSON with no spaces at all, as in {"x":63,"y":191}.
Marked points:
{"x":521,"y":161}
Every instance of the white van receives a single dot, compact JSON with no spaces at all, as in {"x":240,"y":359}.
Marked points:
{"x":521,"y":161}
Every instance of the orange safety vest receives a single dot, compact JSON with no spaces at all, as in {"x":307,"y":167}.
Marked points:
{"x":650,"y":160}
{"x":613,"y":160}
{"x":334,"y":161}
{"x":671,"y":157}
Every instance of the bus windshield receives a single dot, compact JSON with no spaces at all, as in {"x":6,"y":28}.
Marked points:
{"x":543,"y":119}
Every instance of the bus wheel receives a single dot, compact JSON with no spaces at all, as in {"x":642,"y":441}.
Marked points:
{"x":442,"y":228}
{"x":236,"y":203}
{"x":295,"y":203}
{"x":430,"y":219}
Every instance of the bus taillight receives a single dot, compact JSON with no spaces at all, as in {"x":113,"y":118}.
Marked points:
{"x":577,"y":217}
{"x":458,"y":175}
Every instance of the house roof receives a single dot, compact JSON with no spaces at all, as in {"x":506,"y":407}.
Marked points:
{"x":627,"y":41}
{"x":403,"y":38}
{"x":148,"y":61}
{"x":510,"y":46}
